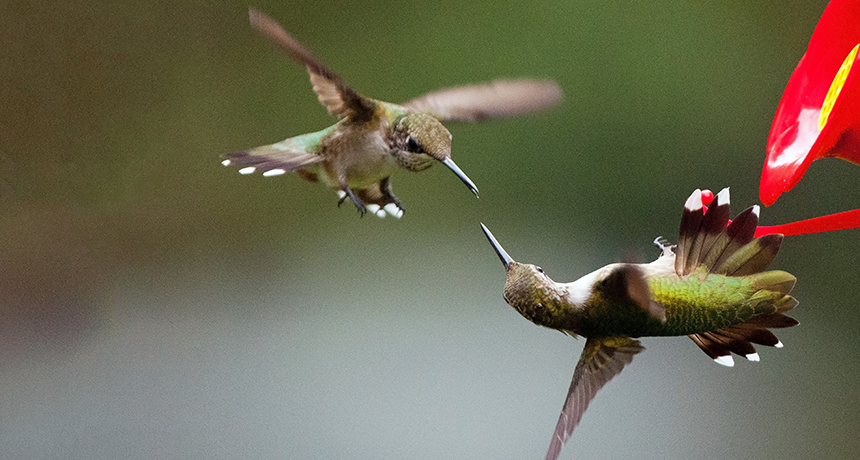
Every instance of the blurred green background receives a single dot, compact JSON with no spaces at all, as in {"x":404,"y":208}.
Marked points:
{"x":154,"y":304}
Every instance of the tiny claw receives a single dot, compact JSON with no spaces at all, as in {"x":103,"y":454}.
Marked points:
{"x":664,"y":245}
{"x":359,"y":205}
{"x":397,"y":204}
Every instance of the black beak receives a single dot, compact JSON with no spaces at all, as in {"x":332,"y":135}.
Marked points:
{"x":500,"y":251}
{"x":459,"y":172}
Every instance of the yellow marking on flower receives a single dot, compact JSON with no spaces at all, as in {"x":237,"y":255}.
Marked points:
{"x":836,"y":87}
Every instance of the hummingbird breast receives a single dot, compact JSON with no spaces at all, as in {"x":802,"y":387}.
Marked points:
{"x":361,"y":156}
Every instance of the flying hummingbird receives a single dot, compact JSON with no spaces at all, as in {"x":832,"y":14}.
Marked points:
{"x":711,"y":287}
{"x":372,"y":139}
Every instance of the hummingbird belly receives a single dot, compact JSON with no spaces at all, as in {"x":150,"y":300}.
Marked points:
{"x":362,"y":158}
{"x":370,"y":171}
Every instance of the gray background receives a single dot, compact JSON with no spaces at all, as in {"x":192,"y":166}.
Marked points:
{"x":154,"y":304}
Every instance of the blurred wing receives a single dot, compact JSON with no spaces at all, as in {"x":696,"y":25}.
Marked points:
{"x":333,"y":93}
{"x":601,"y":360}
{"x":627,"y":282}
{"x":497,"y":99}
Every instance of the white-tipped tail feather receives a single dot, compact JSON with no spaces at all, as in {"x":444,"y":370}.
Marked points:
{"x":273,"y":172}
{"x":394,"y":210}
{"x":725,"y":360}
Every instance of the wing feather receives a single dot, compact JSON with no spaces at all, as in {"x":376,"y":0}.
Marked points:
{"x":601,"y":360}
{"x":482,"y":101}
{"x":333,"y":93}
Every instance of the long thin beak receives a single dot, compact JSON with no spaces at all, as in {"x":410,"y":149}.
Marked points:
{"x":500,"y":251}
{"x":459,"y":172}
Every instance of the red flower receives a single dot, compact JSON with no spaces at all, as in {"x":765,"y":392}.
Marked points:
{"x":819,"y":114}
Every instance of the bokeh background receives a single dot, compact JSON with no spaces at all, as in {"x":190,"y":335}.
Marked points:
{"x":154,"y":304}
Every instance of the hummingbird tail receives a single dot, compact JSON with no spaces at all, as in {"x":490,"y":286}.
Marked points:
{"x":273,"y":160}
{"x":709,"y":241}
{"x":739,"y":338}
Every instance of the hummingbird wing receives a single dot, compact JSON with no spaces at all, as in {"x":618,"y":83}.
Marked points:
{"x":333,"y":93}
{"x":628,"y":282}
{"x":602,"y":359}
{"x":496,"y":99}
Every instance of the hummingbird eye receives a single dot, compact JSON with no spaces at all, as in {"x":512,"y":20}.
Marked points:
{"x":413,"y":146}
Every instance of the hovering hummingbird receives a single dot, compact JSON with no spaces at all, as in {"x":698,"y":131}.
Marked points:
{"x":711,"y":287}
{"x":357,"y":155}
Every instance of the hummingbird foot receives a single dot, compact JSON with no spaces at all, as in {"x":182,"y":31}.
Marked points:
{"x":393,"y":205}
{"x":664,"y":245}
{"x":376,"y":209}
{"x":359,"y":205}
{"x":379,"y":199}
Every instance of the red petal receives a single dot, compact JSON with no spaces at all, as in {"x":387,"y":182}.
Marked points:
{"x":794,"y":141}
{"x":831,"y":222}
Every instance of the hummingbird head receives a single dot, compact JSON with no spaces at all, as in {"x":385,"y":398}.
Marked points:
{"x":420,"y":138}
{"x":527,"y":288}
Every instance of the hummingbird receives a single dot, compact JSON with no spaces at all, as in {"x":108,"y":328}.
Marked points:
{"x":371,"y":139}
{"x":711,"y":287}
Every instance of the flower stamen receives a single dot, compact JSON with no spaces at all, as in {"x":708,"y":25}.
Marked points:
{"x":836,"y":87}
